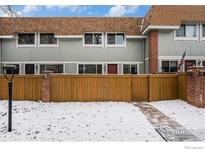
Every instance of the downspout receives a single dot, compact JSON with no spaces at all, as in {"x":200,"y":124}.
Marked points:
{"x":144,"y":53}
{"x":1,"y":58}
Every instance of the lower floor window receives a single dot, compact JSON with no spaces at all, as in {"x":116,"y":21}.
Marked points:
{"x":169,"y":66}
{"x":16,"y":71}
{"x":130,"y":69}
{"x":29,"y":69}
{"x":90,"y":68}
{"x":55,"y":68}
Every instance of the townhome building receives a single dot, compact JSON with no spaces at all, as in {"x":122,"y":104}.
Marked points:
{"x":105,"y":45}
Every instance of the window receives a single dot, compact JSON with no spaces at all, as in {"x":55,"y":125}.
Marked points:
{"x":90,"y":68}
{"x":26,"y":39}
{"x":115,"y":39}
{"x":29,"y":69}
{"x":48,"y":39}
{"x":130,"y":69}
{"x":56,"y":68}
{"x":169,"y":66}
{"x":203,"y":30}
{"x":187,"y":30}
{"x":16,"y":71}
{"x":93,"y":39}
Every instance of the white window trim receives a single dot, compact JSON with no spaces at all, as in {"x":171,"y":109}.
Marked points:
{"x":93,"y":45}
{"x":188,"y":38}
{"x":202,"y":38}
{"x":47,"y":45}
{"x":122,"y":70}
{"x":20,"y":66}
{"x":26,"y":45}
{"x":115,"y":45}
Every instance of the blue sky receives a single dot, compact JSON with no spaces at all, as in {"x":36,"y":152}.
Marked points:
{"x":80,"y":10}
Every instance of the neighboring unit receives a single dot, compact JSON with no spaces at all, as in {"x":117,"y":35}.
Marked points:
{"x":105,"y":45}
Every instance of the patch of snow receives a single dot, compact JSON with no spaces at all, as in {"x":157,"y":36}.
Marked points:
{"x":110,"y":121}
{"x":190,"y":117}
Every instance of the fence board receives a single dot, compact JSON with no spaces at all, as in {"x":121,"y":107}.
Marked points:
{"x":25,"y":87}
{"x":99,"y":87}
{"x":182,"y":87}
{"x":162,"y":87}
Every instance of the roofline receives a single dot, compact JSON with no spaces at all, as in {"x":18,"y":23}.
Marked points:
{"x":79,"y":17}
{"x":148,"y":28}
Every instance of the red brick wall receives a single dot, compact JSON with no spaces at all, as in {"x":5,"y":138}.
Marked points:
{"x":153,"y":51}
{"x":195,"y":87}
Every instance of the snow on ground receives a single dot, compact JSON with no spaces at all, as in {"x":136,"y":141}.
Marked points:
{"x":33,"y":121}
{"x":190,"y":117}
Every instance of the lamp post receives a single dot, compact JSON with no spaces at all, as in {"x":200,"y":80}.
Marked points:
{"x":12,"y":69}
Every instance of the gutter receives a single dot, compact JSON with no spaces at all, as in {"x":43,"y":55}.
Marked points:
{"x":150,"y":27}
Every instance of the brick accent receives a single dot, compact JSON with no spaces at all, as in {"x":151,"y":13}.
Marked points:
{"x":153,"y":51}
{"x":46,"y":87}
{"x":195,"y":86}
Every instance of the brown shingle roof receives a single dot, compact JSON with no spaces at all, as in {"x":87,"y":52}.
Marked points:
{"x":173,"y":15}
{"x":71,"y":25}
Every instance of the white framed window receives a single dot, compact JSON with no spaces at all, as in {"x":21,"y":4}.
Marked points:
{"x":115,"y":40}
{"x":130,"y":69}
{"x":169,"y":66}
{"x":90,"y":68}
{"x":93,"y":39}
{"x":202,"y":32}
{"x":26,"y":40}
{"x":47,"y":40}
{"x":29,"y":68}
{"x":16,"y":71}
{"x":56,"y":68}
{"x":186,"y":32}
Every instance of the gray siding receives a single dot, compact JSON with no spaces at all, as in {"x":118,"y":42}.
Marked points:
{"x":73,"y":50}
{"x":71,"y":68}
{"x":167,"y":46}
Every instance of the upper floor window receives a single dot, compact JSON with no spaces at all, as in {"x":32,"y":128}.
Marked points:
{"x":203,"y":30}
{"x":93,"y":39}
{"x":187,"y":30}
{"x":115,"y":39}
{"x":26,"y":39}
{"x":47,"y":39}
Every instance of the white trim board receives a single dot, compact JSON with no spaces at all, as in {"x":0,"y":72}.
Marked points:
{"x":148,"y":28}
{"x":179,"y":57}
{"x":6,"y":36}
{"x":69,"y":36}
{"x":74,"y":62}
{"x":136,"y":36}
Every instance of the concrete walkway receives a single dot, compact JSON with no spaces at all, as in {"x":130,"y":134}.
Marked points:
{"x":169,"y":129}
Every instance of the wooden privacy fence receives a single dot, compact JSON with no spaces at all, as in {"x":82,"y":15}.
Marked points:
{"x":25,"y":87}
{"x":99,"y":87}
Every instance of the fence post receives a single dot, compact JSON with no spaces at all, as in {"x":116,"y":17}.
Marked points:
{"x":46,"y":87}
{"x":195,"y":86}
